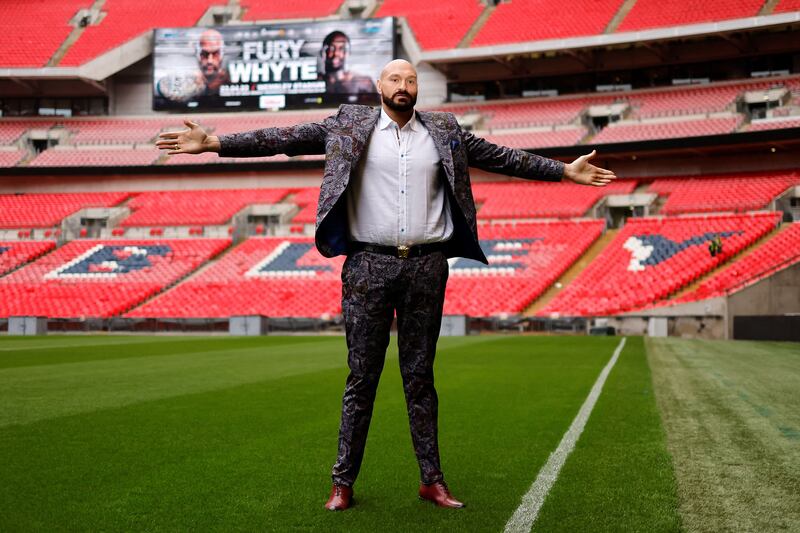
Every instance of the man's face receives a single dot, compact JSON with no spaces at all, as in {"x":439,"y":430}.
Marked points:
{"x":336,"y":54}
{"x":210,"y":55}
{"x":398,"y":87}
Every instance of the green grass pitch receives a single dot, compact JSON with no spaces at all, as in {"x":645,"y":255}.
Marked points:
{"x":239,"y":434}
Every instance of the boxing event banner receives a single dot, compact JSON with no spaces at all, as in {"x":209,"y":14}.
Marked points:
{"x":275,"y":66}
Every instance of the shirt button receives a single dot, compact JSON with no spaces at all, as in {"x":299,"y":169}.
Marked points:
{"x":402,"y":192}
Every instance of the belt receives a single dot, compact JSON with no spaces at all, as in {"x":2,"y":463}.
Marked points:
{"x":401,"y":251}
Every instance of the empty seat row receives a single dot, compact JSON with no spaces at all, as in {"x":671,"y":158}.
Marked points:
{"x":46,"y":210}
{"x":13,"y":254}
{"x":651,"y":258}
{"x":101,"y":278}
{"x":778,"y":252}
{"x":744,"y":191}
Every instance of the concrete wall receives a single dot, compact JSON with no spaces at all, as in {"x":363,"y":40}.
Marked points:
{"x":130,"y":91}
{"x":778,"y":294}
{"x":693,"y":327}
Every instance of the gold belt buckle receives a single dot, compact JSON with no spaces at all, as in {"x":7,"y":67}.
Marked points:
{"x":402,"y":251}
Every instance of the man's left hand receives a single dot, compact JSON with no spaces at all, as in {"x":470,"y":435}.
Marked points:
{"x":584,"y":173}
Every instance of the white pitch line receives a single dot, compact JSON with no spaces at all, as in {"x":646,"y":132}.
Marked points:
{"x":523,"y":518}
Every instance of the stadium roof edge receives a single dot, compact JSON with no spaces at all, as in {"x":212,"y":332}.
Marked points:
{"x":593,"y":41}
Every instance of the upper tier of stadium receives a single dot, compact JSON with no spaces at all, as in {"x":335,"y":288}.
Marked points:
{"x":39,"y":34}
{"x":639,"y":115}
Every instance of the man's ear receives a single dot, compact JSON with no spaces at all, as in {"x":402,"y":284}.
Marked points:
{"x":378,"y":84}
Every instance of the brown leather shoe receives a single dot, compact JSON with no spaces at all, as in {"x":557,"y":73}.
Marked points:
{"x":341,"y":498}
{"x":439,"y":494}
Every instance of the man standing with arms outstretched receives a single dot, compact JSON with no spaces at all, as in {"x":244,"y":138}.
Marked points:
{"x":396,"y":199}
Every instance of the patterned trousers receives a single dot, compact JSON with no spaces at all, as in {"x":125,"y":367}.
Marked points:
{"x":374,"y":286}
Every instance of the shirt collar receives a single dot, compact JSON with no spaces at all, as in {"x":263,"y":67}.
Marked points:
{"x":385,"y":121}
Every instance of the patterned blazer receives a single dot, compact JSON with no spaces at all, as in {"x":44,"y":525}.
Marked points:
{"x":344,"y":136}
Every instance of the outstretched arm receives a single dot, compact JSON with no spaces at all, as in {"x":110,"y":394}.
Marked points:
{"x":503,"y":160}
{"x":293,"y":140}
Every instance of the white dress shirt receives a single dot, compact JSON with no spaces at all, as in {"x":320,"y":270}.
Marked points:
{"x":396,"y":196}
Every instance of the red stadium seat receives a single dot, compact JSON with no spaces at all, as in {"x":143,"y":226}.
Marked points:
{"x":90,"y":278}
{"x":288,"y":9}
{"x":515,"y":22}
{"x":652,"y":258}
{"x":33,"y":31}
{"x":13,"y":254}
{"x":435,"y":25}
{"x":659,"y":13}
{"x":722,"y":192}
{"x":641,"y":131}
{"x":125,"y":20}
{"x":48,"y":210}
{"x":778,"y":252}
{"x":184,"y":208}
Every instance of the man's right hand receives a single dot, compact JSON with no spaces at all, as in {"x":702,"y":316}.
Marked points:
{"x":193,"y":140}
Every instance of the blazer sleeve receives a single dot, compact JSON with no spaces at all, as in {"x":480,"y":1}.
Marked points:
{"x":509,"y":161}
{"x":302,"y":139}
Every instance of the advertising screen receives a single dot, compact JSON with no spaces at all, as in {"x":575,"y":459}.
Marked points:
{"x":275,"y":66}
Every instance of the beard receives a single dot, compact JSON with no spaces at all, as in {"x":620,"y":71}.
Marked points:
{"x":391,"y":104}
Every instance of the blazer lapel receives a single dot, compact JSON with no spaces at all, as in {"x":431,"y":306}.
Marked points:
{"x":362,"y":128}
{"x":440,"y":133}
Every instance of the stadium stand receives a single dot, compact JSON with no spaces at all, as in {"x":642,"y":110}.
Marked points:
{"x":185,"y":208}
{"x":641,"y":131}
{"x":9,"y":158}
{"x":90,"y":278}
{"x":536,"y":112}
{"x":307,"y":199}
{"x":11,"y":130}
{"x":778,"y":252}
{"x":14,"y":254}
{"x":95,"y":157}
{"x":647,"y":14}
{"x":774,"y":124}
{"x":651,"y":258}
{"x":523,"y":199}
{"x":515,"y":22}
{"x":524,"y":259}
{"x":524,"y":119}
{"x":284,"y":277}
{"x":48,"y":210}
{"x":110,"y":131}
{"x":722,"y":192}
{"x":288,"y":9}
{"x":37,"y":31}
{"x":277,"y":277}
{"x":436,"y":25}
{"x":537,"y":138}
{"x":245,"y":122}
{"x":785,"y":6}
{"x":125,"y":20}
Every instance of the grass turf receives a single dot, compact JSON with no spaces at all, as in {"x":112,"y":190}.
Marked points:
{"x":220,"y":434}
{"x":732,"y":414}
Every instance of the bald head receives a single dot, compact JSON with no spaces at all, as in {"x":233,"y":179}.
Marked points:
{"x":398,"y":85}
{"x":397,"y":66}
